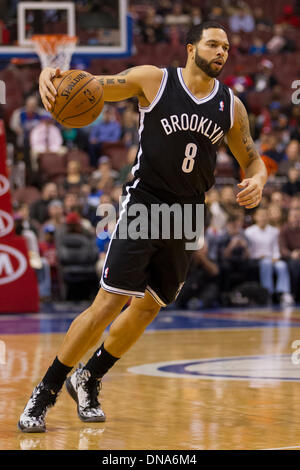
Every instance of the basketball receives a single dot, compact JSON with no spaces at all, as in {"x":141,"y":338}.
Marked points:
{"x":79,"y":99}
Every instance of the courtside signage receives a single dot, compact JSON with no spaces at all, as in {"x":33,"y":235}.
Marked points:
{"x":13,"y":264}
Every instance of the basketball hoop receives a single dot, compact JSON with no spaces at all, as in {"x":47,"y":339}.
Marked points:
{"x":55,"y":50}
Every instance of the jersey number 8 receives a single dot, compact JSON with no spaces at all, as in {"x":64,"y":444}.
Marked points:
{"x":189,"y":161}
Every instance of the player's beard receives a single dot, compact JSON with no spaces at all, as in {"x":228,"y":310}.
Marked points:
{"x":205,"y":66}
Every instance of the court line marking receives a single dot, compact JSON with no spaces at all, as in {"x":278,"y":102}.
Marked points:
{"x":173,"y":369}
{"x":282,"y":448}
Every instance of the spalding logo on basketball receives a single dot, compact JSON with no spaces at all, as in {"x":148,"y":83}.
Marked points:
{"x":79,"y":99}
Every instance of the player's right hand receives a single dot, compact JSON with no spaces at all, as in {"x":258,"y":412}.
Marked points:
{"x":46,"y":87}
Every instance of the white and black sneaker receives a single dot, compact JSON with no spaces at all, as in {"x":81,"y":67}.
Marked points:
{"x":84,"y":389}
{"x":33,"y":417}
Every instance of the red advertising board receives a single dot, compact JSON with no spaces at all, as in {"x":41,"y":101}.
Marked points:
{"x":18,"y":281}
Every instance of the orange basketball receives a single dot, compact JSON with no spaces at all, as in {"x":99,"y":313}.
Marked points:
{"x":79,"y":99}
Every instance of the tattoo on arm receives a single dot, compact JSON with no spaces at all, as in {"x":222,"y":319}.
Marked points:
{"x":245,"y":131}
{"x":111,"y":81}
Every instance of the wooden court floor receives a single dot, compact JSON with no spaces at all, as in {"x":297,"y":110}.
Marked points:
{"x":224,"y":380}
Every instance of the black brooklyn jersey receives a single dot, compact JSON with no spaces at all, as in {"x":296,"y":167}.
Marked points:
{"x":179,"y":136}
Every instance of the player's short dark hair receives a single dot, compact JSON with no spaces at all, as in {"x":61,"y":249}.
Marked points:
{"x":194,"y":35}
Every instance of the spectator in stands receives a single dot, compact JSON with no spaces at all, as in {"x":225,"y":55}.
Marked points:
{"x":70,"y":202}
{"x":39,"y":208}
{"x":242,"y":20}
{"x":196,"y":15}
{"x":177,"y":16}
{"x":130,"y":135}
{"x":151,"y":27}
{"x":283,"y":131}
{"x":107,"y":130}
{"x":237,"y":46}
{"x":28,"y":222}
{"x":240,"y":77}
{"x":69,"y":136}
{"x":295,"y":202}
{"x":276,"y":215}
{"x":264,"y":79}
{"x":269,"y":149}
{"x":292,"y":154}
{"x":258,"y":47}
{"x":48,"y":251}
{"x":233,"y":254}
{"x":56,"y":214}
{"x":216,"y":14}
{"x":39,"y":264}
{"x":221,"y":208}
{"x":264,"y":248}
{"x":262,"y":23}
{"x":290,"y":248}
{"x":23,"y":120}
{"x":279,"y":43}
{"x":288,"y":17}
{"x":45,"y":137}
{"x":116,"y":195}
{"x":278,"y":199}
{"x":292,"y":186}
{"x":201,"y":289}
{"x":75,"y":177}
{"x":74,"y":217}
{"x":77,"y":255}
{"x":103,"y":178}
{"x":125,"y":174}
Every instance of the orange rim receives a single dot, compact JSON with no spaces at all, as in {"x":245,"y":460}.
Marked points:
{"x":50,"y":42}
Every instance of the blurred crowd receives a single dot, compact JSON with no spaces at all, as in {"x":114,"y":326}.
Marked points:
{"x":167,"y":21}
{"x":250,"y":257}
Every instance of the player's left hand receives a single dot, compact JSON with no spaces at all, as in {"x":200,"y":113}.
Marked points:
{"x":251,"y":193}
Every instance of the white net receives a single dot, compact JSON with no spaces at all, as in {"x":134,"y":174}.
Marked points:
{"x":55,"y":50}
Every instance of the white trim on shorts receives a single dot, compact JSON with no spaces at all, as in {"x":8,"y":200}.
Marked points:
{"x":116,"y":290}
{"x":156,"y":297}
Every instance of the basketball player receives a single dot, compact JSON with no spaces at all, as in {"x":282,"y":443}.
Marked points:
{"x":184,"y":115}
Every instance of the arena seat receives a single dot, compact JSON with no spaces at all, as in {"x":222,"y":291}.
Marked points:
{"x":117,"y":152}
{"x":81,"y":157}
{"x":51,"y":165}
{"x":28,"y":194}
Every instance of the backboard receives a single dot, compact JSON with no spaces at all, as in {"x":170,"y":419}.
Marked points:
{"x":103,"y":27}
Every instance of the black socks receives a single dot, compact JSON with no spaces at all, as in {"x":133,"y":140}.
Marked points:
{"x":100,"y":362}
{"x":98,"y":365}
{"x":56,"y":375}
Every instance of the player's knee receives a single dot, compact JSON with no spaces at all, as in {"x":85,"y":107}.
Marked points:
{"x":104,"y":311}
{"x":148,"y":314}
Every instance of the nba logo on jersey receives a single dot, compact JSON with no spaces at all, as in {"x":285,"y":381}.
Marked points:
{"x":221,"y":107}
{"x":106,"y":273}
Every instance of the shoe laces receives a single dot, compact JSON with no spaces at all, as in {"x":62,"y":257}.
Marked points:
{"x":92,"y":387}
{"x":42,"y":399}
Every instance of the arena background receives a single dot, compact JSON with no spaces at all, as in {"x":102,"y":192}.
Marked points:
{"x":263,"y":64}
{"x":238,"y":308}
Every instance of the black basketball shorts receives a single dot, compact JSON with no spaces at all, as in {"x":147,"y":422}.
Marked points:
{"x":133,"y":266}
